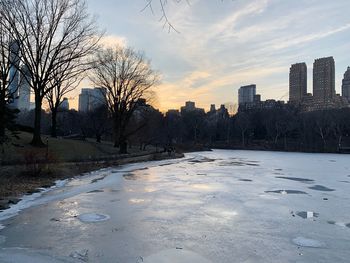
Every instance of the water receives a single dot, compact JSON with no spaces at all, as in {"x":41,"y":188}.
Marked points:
{"x":220,"y":206}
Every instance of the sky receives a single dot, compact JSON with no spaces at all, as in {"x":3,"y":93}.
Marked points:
{"x":224,"y":44}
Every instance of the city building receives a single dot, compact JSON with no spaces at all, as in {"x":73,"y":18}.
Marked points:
{"x":297,"y":82}
{"x":91,"y":99}
{"x":64,"y":105}
{"x":190,"y":106}
{"x":14,"y":72}
{"x":246,"y":94}
{"x":19,"y":80}
{"x":257,"y":98}
{"x":212,"y":108}
{"x":346,"y":85}
{"x":324,"y":80}
{"x":172,"y":114}
{"x":222,"y":112}
{"x":23,"y":100}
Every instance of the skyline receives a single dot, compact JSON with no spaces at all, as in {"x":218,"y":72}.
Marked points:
{"x":224,"y":45}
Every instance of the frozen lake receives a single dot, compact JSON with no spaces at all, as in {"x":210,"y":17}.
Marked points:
{"x":220,"y":206}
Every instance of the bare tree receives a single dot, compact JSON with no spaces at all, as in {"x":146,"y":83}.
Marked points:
{"x":243,"y":123}
{"x":164,"y":16}
{"x":65,"y":80}
{"x":127,"y":77}
{"x":8,"y":77}
{"x":52,"y":34}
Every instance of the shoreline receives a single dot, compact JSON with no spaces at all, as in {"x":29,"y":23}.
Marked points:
{"x":16,"y":184}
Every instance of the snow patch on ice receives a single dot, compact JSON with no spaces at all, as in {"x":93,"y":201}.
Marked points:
{"x":174,"y":256}
{"x":93,"y":217}
{"x":306,"y":242}
{"x":2,"y":226}
{"x":27,"y":201}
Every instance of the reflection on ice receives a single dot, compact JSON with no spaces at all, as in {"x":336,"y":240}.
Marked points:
{"x":201,"y":186}
{"x":136,"y":201}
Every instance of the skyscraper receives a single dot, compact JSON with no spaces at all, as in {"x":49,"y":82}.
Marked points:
{"x":346,"y":85}
{"x":23,"y":102}
{"x":91,"y":99}
{"x":14,"y":72}
{"x":324,"y":80}
{"x":19,"y":79}
{"x":246,"y":94}
{"x":297,"y":82}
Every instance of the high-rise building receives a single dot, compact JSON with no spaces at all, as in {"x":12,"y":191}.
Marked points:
{"x":346,"y":85}
{"x":91,"y":99}
{"x":23,"y":101}
{"x":297,"y":82}
{"x":84,"y":100}
{"x":324,"y":80}
{"x":246,"y":94}
{"x":14,"y":72}
{"x":19,"y":79}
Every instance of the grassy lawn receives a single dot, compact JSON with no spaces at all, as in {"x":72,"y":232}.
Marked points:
{"x":61,"y":150}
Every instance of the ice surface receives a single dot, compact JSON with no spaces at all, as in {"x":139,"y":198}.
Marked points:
{"x":93,"y":217}
{"x":2,"y":239}
{"x":303,"y":180}
{"x":91,"y":182}
{"x":175,"y":256}
{"x":307,"y":242}
{"x":21,"y":255}
{"x":201,"y":207}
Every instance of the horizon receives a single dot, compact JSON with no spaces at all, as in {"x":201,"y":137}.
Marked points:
{"x":222,"y":46}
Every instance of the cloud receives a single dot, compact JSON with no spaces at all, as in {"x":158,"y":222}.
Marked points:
{"x":113,"y":40}
{"x":297,"y":41}
{"x":225,"y":44}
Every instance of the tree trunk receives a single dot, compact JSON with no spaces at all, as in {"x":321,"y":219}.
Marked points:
{"x":36,"y":141}
{"x":2,"y":122}
{"x":285,"y":142}
{"x":54,"y":123}
{"x":243,"y":138}
{"x":123,"y":146}
{"x":98,"y":138}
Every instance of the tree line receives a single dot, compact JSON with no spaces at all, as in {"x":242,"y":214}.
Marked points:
{"x":284,"y":129}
